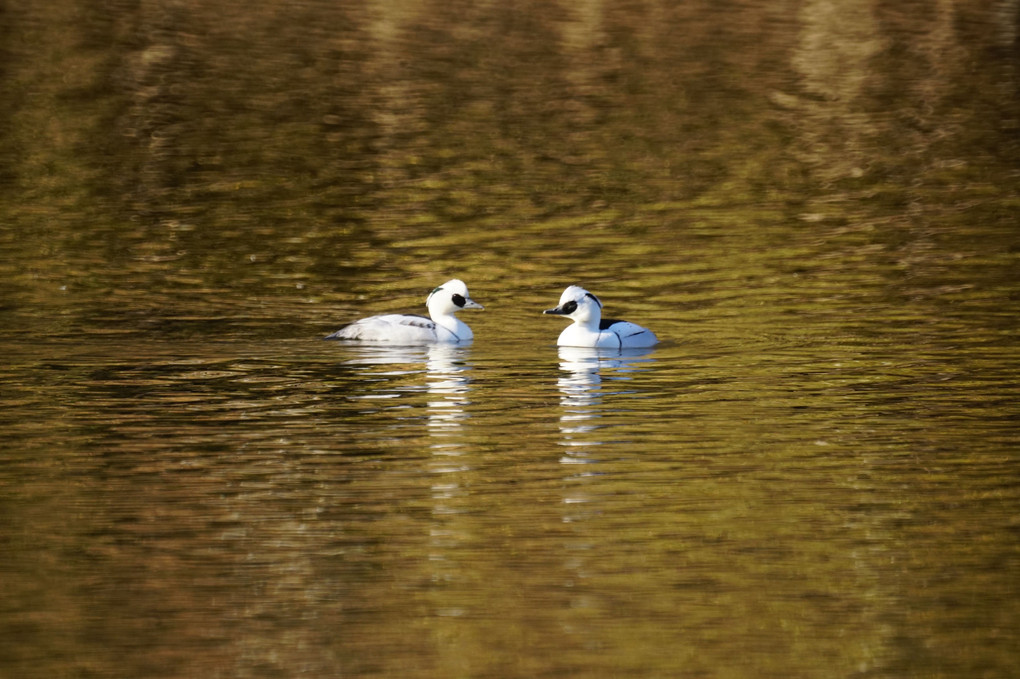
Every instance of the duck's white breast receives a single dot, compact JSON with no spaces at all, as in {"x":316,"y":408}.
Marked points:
{"x":578,"y":336}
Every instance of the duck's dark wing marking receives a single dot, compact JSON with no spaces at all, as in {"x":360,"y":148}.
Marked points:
{"x":606,"y":322}
{"x":417,"y":321}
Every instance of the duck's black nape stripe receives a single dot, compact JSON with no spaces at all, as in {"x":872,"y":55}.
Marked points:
{"x":588,"y":294}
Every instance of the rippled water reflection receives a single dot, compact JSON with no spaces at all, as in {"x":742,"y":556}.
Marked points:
{"x":813,"y":204}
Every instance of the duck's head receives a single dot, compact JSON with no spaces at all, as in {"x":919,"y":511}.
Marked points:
{"x":449,"y":298}
{"x":579,"y":305}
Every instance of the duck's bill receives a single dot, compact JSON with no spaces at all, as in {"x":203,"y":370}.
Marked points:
{"x":472,"y":304}
{"x":558,"y":311}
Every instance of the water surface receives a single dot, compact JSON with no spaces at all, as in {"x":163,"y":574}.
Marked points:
{"x":813,"y":204}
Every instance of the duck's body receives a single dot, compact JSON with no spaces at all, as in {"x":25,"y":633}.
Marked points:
{"x":407,"y":329}
{"x":589,"y":329}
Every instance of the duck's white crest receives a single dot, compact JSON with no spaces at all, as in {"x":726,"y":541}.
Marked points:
{"x":590,"y":330}
{"x":410,"y":329}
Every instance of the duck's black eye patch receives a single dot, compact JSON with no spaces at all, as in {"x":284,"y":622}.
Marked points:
{"x":570,"y":307}
{"x":458,"y":300}
{"x":588,"y":294}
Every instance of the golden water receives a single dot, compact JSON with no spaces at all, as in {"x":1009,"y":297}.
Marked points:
{"x":815,"y":474}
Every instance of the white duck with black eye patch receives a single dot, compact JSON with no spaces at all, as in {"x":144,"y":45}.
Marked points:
{"x":409,"y":329}
{"x":589,"y":329}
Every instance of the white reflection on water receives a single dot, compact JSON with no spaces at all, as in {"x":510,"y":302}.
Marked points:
{"x":587,"y":395}
{"x":580,"y":386}
{"x":582,"y":394}
{"x":584,"y":400}
{"x":448,"y":385}
{"x":436,"y":380}
{"x":373,"y":355}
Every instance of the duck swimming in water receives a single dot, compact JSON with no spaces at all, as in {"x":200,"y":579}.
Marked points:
{"x":407,"y":329}
{"x":590,"y":330}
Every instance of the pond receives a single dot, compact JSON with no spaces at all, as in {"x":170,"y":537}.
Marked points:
{"x":812,"y":204}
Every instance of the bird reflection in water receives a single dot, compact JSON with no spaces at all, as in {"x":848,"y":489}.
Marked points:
{"x":583,"y":399}
{"x":580,"y":385}
{"x":587,"y":394}
{"x":581,"y":394}
{"x":445,"y":394}
{"x":448,"y":384}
